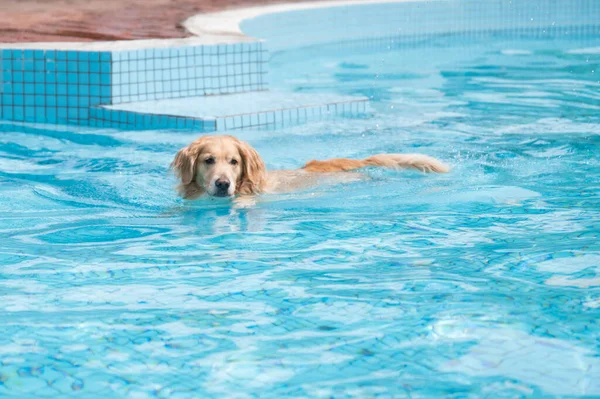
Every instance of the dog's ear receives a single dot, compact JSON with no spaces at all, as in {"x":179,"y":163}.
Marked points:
{"x":184,"y":164}
{"x":253,"y":170}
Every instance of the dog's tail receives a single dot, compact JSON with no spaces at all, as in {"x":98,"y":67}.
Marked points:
{"x":391,"y":161}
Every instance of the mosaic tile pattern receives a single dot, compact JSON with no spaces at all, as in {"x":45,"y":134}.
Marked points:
{"x":155,"y":74}
{"x":48,"y":86}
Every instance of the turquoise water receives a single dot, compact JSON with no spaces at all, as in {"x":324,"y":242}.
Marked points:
{"x":484,"y":282}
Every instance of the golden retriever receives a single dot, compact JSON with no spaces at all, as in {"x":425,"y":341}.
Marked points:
{"x":223,"y":166}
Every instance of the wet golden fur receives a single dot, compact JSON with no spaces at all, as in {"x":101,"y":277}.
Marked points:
{"x":225,"y":158}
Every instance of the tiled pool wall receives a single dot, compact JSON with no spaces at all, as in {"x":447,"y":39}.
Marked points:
{"x":66,"y":87}
{"x":48,"y":86}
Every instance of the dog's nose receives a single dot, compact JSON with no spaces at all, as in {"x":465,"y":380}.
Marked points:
{"x":222,"y":184}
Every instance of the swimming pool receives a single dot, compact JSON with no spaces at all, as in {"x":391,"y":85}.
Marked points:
{"x":483,"y":282}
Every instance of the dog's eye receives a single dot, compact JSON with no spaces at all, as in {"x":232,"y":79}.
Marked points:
{"x":209,"y":161}
{"x":234,"y":162}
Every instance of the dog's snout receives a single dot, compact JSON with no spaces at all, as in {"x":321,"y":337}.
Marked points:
{"x":222,"y":184}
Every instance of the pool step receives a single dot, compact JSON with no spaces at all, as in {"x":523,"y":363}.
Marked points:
{"x":262,"y":109}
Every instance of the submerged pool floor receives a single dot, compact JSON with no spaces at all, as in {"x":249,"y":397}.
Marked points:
{"x":484,"y":282}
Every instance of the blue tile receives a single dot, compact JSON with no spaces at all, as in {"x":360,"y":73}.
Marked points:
{"x":51,"y":101}
{"x":7,"y":65}
{"x":95,"y":90}
{"x":38,"y":54}
{"x":7,"y":112}
{"x":84,"y":102}
{"x":84,"y":79}
{"x":105,"y":67}
{"x":72,"y":101}
{"x":61,"y":113}
{"x":61,"y":55}
{"x":28,"y":77}
{"x":40,"y":115}
{"x":72,"y":55}
{"x":163,"y":53}
{"x":105,"y":79}
{"x":163,"y":121}
{"x":51,"y":114}
{"x":61,"y":66}
{"x":19,"y":114}
{"x":29,"y":113}
{"x":83,"y":67}
{"x":94,"y":56}
{"x":83,"y":56}
{"x":95,"y":67}
{"x":105,"y":91}
{"x":50,"y":54}
{"x":94,"y":78}
{"x":7,"y":88}
{"x":72,"y":113}
{"x":29,"y":88}
{"x":72,"y":90}
{"x":61,"y":89}
{"x":7,"y":99}
{"x":40,"y":88}
{"x":6,"y":53}
{"x":95,"y":100}
{"x":17,"y":54}
{"x":17,"y":77}
{"x":72,"y":66}
{"x":61,"y":77}
{"x":84,"y":113}
{"x":18,"y":88}
{"x":19,"y":100}
{"x":39,"y":77}
{"x":84,"y":90}
{"x":50,"y":78}
{"x":61,"y":101}
{"x":72,"y":78}
{"x":17,"y":64}
{"x":40,"y":100}
{"x":28,"y":54}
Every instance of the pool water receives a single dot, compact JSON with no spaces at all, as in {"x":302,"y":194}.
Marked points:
{"x":484,"y":282}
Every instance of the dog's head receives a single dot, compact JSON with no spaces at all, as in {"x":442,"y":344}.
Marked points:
{"x":220,"y":166}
